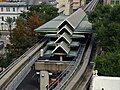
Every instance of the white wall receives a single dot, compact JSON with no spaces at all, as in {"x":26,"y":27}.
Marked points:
{"x":11,"y":13}
{"x":107,"y":83}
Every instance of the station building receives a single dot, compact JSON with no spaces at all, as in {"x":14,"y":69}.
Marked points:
{"x":66,"y":34}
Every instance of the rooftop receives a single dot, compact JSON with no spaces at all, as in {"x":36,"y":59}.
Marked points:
{"x":7,"y":4}
{"x":76,"y":20}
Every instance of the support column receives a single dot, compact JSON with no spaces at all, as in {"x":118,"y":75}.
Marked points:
{"x":44,"y":80}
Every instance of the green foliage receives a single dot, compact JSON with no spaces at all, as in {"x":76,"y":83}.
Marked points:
{"x":6,"y":60}
{"x":108,"y":64}
{"x":23,"y":36}
{"x":106,"y":23}
{"x":45,"y":12}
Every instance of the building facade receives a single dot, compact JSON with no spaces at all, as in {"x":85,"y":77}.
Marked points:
{"x":111,"y":2}
{"x":67,"y":6}
{"x":12,"y":10}
{"x":105,"y":83}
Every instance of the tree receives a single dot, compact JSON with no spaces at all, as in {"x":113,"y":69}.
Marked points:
{"x":106,"y":23}
{"x":10,"y":22}
{"x":21,"y":38}
{"x":108,"y":64}
{"x":45,"y":12}
{"x":23,"y":35}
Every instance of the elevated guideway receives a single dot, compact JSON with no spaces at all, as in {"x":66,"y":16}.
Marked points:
{"x":16,"y":71}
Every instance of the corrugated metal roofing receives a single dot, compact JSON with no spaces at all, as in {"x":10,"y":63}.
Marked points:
{"x":51,"y":25}
{"x":62,"y":45}
{"x":84,"y":25}
{"x":65,"y":36}
{"x":74,"y":44}
{"x":67,"y":28}
{"x":75,"y":18}
{"x":72,"y":53}
{"x":78,"y":36}
{"x":51,"y":35}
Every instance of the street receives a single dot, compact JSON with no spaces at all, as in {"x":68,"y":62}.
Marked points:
{"x":30,"y":82}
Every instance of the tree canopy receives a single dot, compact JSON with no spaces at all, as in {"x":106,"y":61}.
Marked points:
{"x":23,"y":35}
{"x":106,"y":23}
{"x":44,"y":11}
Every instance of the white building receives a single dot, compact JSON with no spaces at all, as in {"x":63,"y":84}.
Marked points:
{"x":68,"y":6}
{"x":105,"y":83}
{"x":12,"y":10}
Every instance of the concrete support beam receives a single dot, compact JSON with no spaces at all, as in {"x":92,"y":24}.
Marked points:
{"x":44,"y":80}
{"x":51,"y":66}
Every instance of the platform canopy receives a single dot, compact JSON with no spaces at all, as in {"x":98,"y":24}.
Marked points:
{"x":65,"y":33}
{"x":75,"y":20}
{"x":63,"y":46}
{"x":64,"y":36}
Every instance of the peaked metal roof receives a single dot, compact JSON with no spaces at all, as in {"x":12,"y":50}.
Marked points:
{"x":67,"y":28}
{"x":62,"y":45}
{"x":65,"y":36}
{"x":52,"y":25}
{"x":85,"y":25}
{"x":75,"y":18}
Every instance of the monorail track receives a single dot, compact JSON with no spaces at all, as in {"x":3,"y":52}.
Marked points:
{"x":10,"y":73}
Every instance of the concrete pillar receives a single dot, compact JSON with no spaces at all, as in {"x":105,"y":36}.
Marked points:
{"x":44,"y":80}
